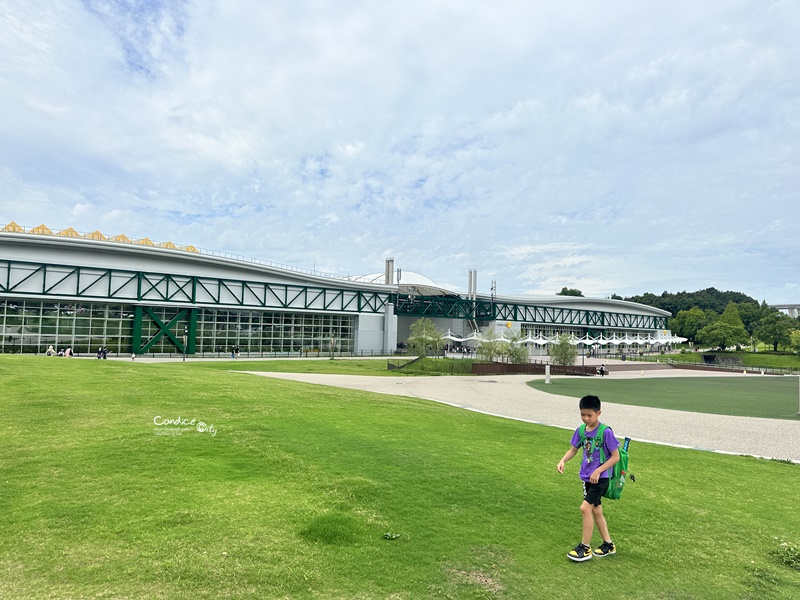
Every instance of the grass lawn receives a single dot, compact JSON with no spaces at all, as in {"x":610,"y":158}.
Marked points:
{"x":341,"y":366}
{"x":771,"y":397}
{"x":349,"y":366}
{"x":766,"y":360}
{"x":294,"y":493}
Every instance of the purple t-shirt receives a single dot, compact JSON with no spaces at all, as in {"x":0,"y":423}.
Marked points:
{"x":591,"y":460}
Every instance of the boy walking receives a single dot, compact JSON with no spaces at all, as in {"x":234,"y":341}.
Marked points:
{"x":595,"y":477}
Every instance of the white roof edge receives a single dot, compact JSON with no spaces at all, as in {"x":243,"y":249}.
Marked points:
{"x":575,"y":302}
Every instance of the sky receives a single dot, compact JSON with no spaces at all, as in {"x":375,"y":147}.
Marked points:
{"x":617,"y":147}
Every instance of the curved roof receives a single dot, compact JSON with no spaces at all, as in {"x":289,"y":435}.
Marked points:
{"x":583,"y":303}
{"x":410,"y":282}
{"x":416,"y":284}
{"x":132,"y":257}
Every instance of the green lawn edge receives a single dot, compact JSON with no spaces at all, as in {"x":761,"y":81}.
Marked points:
{"x":745,"y":396}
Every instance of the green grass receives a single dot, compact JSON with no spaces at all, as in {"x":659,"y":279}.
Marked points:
{"x":339,"y":366}
{"x":438,"y":366}
{"x":294,"y":495}
{"x":770,"y":397}
{"x":348,"y":366}
{"x":765,"y":360}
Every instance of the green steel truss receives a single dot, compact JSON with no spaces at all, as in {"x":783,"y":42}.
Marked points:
{"x":185,"y":322}
{"x":481,"y":310}
{"x":93,"y":283}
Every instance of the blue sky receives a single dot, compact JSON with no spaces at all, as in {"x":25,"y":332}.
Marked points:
{"x":615,"y":147}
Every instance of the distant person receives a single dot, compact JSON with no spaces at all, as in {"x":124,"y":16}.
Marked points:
{"x":595,"y":477}
{"x":68,"y":352}
{"x":602,"y":370}
{"x":50,"y":351}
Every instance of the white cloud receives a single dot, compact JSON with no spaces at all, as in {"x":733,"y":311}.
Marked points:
{"x":617,"y":148}
{"x":80,"y":209}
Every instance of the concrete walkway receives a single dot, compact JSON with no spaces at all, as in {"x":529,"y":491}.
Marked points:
{"x":509,"y":396}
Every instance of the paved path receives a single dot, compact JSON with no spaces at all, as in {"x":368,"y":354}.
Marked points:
{"x":509,"y":396}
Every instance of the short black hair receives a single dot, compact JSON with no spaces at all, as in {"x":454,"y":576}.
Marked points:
{"x":590,"y":403}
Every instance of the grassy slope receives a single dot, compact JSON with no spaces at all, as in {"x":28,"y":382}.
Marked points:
{"x":349,"y":366}
{"x":292,"y":497}
{"x":343,"y":366}
{"x":751,"y":396}
{"x":748,"y":359}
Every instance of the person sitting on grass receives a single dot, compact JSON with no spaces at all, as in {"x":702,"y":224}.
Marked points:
{"x":595,"y":478}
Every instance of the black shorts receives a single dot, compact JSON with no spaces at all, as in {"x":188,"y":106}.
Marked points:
{"x":593,"y":492}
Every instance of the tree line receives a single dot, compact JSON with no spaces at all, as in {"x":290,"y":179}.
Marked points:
{"x":720,"y":319}
{"x":725,"y":319}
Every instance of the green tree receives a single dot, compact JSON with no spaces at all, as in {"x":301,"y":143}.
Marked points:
{"x":711,"y":316}
{"x":688,"y":322}
{"x":710,"y":298}
{"x":776,"y":328}
{"x":513,"y":350}
{"x":424,"y":336}
{"x":565,"y":291}
{"x":562,"y":352}
{"x":490,"y":346}
{"x":795,"y":340}
{"x":721,"y":335}
{"x":731,"y":316}
{"x":751,"y":313}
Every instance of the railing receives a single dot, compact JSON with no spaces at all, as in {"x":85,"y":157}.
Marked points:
{"x":396,"y":365}
{"x":731,"y":369}
{"x":266,"y":263}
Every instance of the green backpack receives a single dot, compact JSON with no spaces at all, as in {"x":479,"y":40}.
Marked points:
{"x":616,"y":482}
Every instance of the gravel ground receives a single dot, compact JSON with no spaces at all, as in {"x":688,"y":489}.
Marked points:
{"x":509,"y":396}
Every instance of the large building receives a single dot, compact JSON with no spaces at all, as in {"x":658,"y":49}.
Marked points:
{"x":65,"y":289}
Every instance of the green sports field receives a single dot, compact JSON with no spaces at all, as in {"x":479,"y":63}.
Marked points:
{"x":773,"y":397}
{"x":290,"y":490}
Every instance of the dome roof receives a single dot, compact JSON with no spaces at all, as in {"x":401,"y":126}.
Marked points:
{"x":410,"y":282}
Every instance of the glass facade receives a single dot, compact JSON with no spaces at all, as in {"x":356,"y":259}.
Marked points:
{"x":549,"y":330}
{"x":253,"y":331}
{"x":31,"y":326}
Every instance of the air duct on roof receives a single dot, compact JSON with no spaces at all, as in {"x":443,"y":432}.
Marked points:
{"x":388,"y":274}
